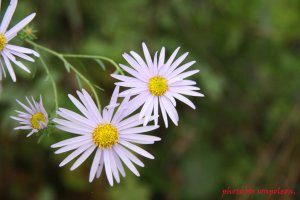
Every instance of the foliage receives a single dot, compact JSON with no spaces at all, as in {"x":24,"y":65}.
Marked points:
{"x":244,"y":132}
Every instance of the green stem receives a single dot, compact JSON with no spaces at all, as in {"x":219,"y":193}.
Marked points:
{"x":88,"y":83}
{"x":52,"y":82}
{"x":95,"y":57}
{"x":61,"y":57}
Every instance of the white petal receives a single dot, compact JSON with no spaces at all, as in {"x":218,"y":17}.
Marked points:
{"x":147,"y":55}
{"x":100,"y":168}
{"x":130,"y":156}
{"x":108,"y":170}
{"x":21,"y":55}
{"x":22,"y":49}
{"x":91,"y":104}
{"x":13,"y":59}
{"x":143,"y":68}
{"x":25,"y":107}
{"x":133,"y":91}
{"x":95,"y":165}
{"x":32,"y":132}
{"x":8,"y":15}
{"x":80,"y":107}
{"x":73,"y":146}
{"x":177,"y":62}
{"x":168,"y":106}
{"x":137,"y":149}
{"x":182,"y":76}
{"x":2,"y":70}
{"x":163,"y":111}
{"x":170,"y":97}
{"x":83,"y":157}
{"x":172,"y":57}
{"x":188,"y":92}
{"x":161,"y":59}
{"x":127,"y":121}
{"x":23,"y":128}
{"x":125,"y":159}
{"x":72,"y":130}
{"x":113,"y":166}
{"x":148,"y":102}
{"x":114,"y":96}
{"x":72,"y":125}
{"x":148,"y":113}
{"x":184,"y":100}
{"x":155,"y":107}
{"x":120,"y":111}
{"x":183,"y":83}
{"x":127,"y":79}
{"x":14,"y":30}
{"x":72,"y":116}
{"x":75,"y":153}
{"x":139,"y":129}
{"x":136,"y":102}
{"x":118,"y":163}
{"x":20,"y":119}
{"x":134,"y":73}
{"x":9,"y":68}
{"x":70,"y":141}
{"x":131,"y":84}
{"x":184,"y":67}
{"x":141,"y":137}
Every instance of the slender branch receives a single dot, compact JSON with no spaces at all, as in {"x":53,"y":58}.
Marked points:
{"x":95,"y":57}
{"x":52,"y":82}
{"x":61,"y":57}
{"x":88,"y":83}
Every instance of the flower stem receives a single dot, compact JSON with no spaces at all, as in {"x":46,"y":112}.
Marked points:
{"x":52,"y":82}
{"x":61,"y":57}
{"x":95,"y":57}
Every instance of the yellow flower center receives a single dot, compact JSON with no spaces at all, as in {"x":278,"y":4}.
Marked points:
{"x":2,"y":41}
{"x":105,"y":135}
{"x":36,"y":118}
{"x":158,"y":85}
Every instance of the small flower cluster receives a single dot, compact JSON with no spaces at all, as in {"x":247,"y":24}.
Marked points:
{"x":115,"y":133}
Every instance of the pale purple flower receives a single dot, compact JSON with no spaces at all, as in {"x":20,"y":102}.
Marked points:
{"x":34,"y":118}
{"x":157,"y":83}
{"x":110,"y":135}
{"x":9,"y":52}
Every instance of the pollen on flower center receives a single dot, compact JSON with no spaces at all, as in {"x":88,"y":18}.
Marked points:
{"x":36,"y":119}
{"x":158,"y":85}
{"x":2,"y":41}
{"x":105,"y":135}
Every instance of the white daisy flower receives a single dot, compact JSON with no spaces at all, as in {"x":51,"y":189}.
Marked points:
{"x":35,"y":118}
{"x":9,"y":52}
{"x":111,"y":135}
{"x":158,"y":83}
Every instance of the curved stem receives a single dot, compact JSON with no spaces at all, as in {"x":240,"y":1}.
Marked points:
{"x":95,"y":57}
{"x":61,"y":57}
{"x":52,"y":82}
{"x":88,"y":83}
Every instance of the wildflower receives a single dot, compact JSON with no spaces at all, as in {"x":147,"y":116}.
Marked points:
{"x":157,"y":83}
{"x":35,"y":117}
{"x":111,"y":135}
{"x":9,"y":52}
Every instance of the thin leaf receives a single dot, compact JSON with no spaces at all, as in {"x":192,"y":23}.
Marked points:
{"x":67,"y":65}
{"x":102,"y":65}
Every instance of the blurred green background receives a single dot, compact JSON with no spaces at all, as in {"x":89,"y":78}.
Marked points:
{"x":245,"y":132}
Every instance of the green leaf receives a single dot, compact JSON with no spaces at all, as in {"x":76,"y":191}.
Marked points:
{"x":98,"y":87}
{"x":101,"y":64}
{"x":67,"y":65}
{"x":78,"y":81}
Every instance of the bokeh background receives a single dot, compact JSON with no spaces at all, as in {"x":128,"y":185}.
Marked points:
{"x":245,"y":132}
